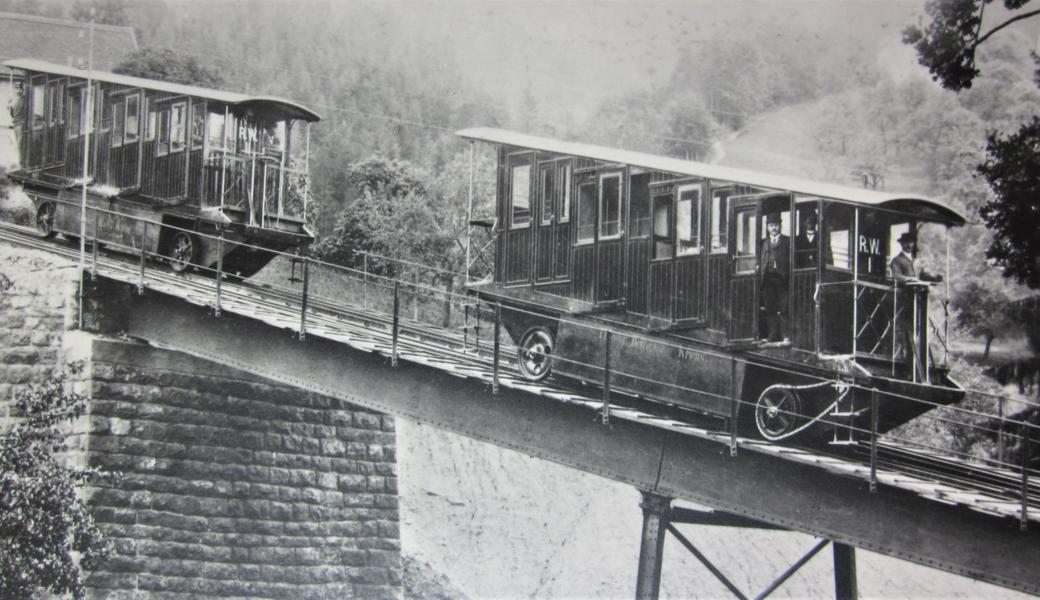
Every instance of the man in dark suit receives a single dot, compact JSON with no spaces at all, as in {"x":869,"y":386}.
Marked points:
{"x":901,"y":266}
{"x":774,"y":262}
{"x":807,"y":246}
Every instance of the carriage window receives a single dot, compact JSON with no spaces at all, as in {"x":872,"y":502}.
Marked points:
{"x":610,"y":206}
{"x":548,"y":186}
{"x":118,"y":121}
{"x":719,"y":222}
{"x":663,"y":227}
{"x":688,"y":220}
{"x":216,"y":130}
{"x":198,"y":125}
{"x":838,"y":234}
{"x":150,"y":126}
{"x":586,"y":212}
{"x":745,"y":245}
{"x":39,"y":105}
{"x":520,"y":196}
{"x":273,"y":139}
{"x":178,"y":126}
{"x":639,"y":216}
{"x":133,"y":118}
{"x":56,"y":90}
{"x":106,"y":112}
{"x":162,"y":145}
{"x":75,"y":112}
{"x":565,"y":194}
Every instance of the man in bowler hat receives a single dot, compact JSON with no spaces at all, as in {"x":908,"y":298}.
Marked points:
{"x":901,"y":267}
{"x":774,"y":261}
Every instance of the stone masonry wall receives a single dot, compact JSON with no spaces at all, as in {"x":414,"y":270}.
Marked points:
{"x":37,"y":306}
{"x":237,"y":487}
{"x":230,"y":486}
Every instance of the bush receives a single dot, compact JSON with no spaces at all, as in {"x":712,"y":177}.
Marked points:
{"x":47,"y":536}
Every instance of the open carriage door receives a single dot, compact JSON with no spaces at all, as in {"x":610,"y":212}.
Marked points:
{"x":743,"y":292}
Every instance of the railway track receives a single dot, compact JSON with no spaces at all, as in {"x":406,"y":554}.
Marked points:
{"x":943,"y":478}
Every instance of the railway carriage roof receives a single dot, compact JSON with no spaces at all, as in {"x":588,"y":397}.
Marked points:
{"x":288,"y":107}
{"x":920,"y":206}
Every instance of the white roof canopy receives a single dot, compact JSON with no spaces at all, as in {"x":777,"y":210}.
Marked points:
{"x":924,"y":208}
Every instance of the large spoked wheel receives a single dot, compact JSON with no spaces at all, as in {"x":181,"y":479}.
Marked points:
{"x":45,"y":220}
{"x":534,"y":355}
{"x":778,"y":413}
{"x":181,"y":250}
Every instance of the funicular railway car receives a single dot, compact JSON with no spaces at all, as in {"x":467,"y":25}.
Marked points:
{"x":652,"y":265}
{"x":200,"y":162}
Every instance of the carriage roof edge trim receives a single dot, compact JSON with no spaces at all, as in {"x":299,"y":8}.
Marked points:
{"x":292,"y":109}
{"x":934,"y":210}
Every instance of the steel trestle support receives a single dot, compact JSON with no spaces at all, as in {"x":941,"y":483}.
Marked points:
{"x":659,"y":516}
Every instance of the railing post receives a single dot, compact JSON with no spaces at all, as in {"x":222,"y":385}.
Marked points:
{"x":1024,"y":517}
{"x":734,"y":399}
{"x":873,"y":437}
{"x":415,"y":296}
{"x":303,"y":299}
{"x":1000,"y":429}
{"x":606,"y":380}
{"x":144,"y":244}
{"x":497,"y":348}
{"x":220,"y":270}
{"x":364,"y":286}
{"x":94,"y":249}
{"x":396,"y":322}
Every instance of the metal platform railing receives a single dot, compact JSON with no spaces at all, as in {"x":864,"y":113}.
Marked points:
{"x":406,"y":306}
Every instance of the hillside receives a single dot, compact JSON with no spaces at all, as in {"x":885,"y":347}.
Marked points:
{"x":498,"y":524}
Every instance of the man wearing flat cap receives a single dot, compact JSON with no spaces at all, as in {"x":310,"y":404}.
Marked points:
{"x":774,"y":262}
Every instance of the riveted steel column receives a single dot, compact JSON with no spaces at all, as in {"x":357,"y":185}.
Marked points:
{"x":651,"y":549}
{"x":844,"y":572}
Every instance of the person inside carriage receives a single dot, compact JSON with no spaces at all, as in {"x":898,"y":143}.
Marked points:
{"x":774,"y":266}
{"x":807,"y":245}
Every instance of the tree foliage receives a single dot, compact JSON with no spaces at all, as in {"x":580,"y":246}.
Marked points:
{"x":950,"y":47}
{"x":1012,"y":168}
{"x":165,"y":64}
{"x":47,"y":536}
{"x":948,"y":44}
{"x":985,"y":311}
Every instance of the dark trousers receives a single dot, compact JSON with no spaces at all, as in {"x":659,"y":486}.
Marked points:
{"x":773,"y":297}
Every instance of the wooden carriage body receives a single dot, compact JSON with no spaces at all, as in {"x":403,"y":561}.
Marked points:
{"x":651,"y":263}
{"x":187,"y":157}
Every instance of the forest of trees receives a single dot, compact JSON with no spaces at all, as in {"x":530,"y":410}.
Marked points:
{"x":390,"y":103}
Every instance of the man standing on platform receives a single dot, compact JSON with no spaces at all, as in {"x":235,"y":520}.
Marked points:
{"x":773,"y":267}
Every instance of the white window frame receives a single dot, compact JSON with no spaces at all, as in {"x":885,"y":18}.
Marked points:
{"x":599,"y":217}
{"x":696,"y":211}
{"x":513,"y":224}
{"x":564,"y":209}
